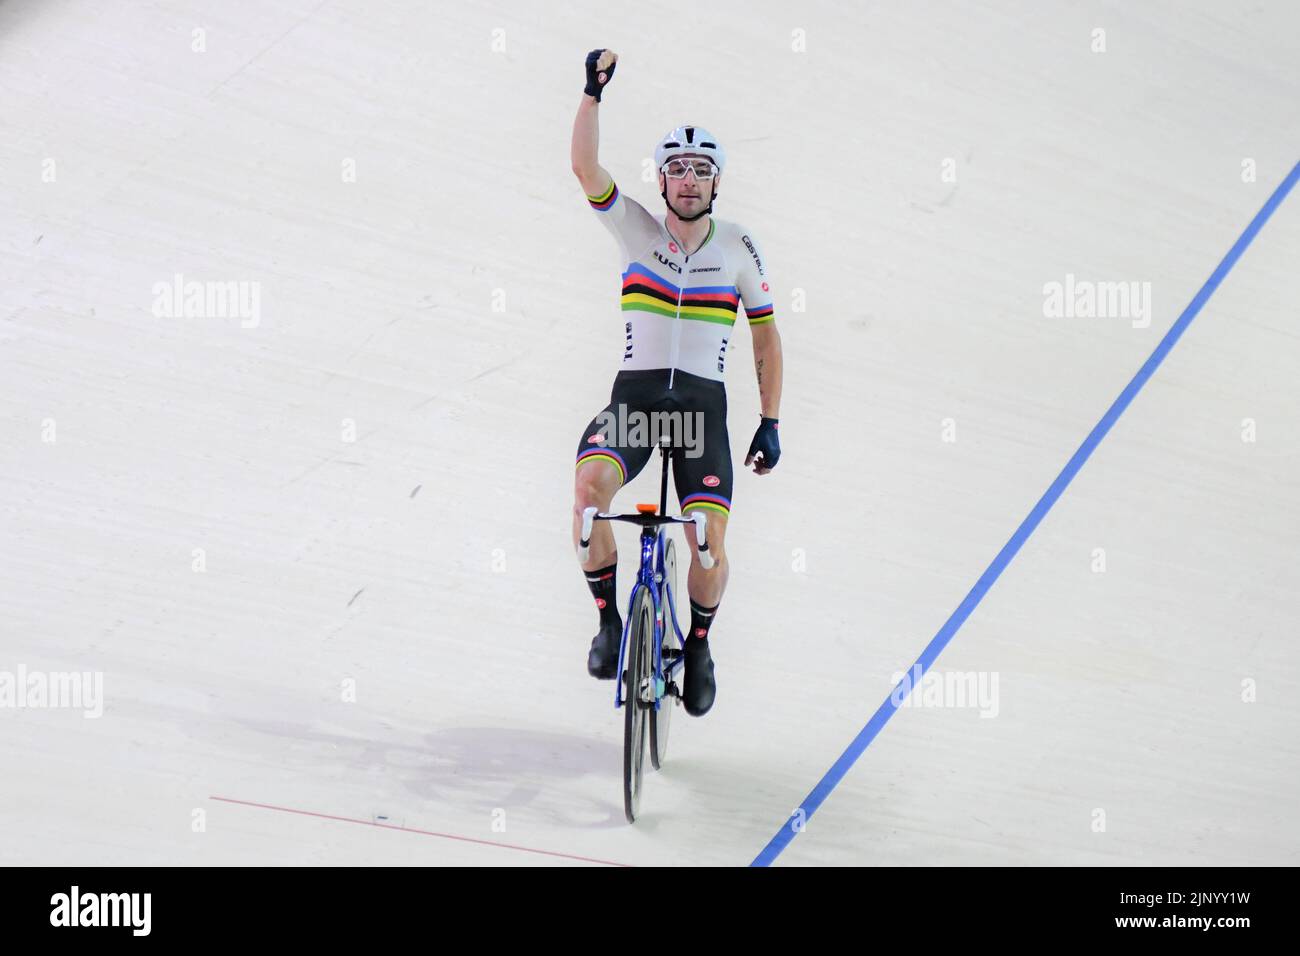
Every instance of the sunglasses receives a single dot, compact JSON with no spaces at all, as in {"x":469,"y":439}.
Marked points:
{"x":678,"y":168}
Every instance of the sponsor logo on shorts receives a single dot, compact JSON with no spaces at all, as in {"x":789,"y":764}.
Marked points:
{"x":596,"y":439}
{"x":700,"y":632}
{"x":712,"y":481}
{"x":600,"y":603}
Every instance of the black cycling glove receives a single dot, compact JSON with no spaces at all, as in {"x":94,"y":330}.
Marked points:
{"x":766,"y":444}
{"x":594,"y":86}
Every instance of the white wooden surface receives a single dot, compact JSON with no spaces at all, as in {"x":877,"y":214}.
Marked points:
{"x":457,"y":610}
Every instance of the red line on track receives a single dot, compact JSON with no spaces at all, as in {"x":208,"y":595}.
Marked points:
{"x":445,"y":836}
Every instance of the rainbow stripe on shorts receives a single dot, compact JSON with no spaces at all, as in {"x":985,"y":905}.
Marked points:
{"x":703,"y":499}
{"x":609,"y":455}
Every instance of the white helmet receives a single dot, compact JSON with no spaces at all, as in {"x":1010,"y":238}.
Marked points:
{"x":693,"y":140}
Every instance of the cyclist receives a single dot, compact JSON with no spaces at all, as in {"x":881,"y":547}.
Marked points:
{"x":686,"y":275}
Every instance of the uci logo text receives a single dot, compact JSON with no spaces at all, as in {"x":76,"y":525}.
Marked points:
{"x":668,"y":262}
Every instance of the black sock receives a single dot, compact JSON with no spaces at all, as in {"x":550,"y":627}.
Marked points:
{"x":603,"y":589}
{"x":701,"y":619}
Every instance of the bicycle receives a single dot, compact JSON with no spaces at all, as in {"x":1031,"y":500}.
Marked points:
{"x":656,"y":659}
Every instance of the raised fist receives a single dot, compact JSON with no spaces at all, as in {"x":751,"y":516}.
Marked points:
{"x":600,"y":70}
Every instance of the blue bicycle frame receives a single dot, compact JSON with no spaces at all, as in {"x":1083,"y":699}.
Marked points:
{"x":654,"y":543}
{"x":652,"y":571}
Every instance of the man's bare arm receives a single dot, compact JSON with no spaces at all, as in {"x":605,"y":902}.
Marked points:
{"x":585,"y":150}
{"x":767,"y":366}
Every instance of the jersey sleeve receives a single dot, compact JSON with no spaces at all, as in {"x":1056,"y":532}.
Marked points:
{"x":627,"y":219}
{"x":755,"y":292}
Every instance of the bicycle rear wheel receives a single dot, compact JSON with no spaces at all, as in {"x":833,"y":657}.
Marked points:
{"x":639,"y":678}
{"x":670,"y":650}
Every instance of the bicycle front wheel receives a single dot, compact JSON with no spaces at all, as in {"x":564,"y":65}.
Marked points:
{"x":671,"y":650}
{"x":638,"y":689}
